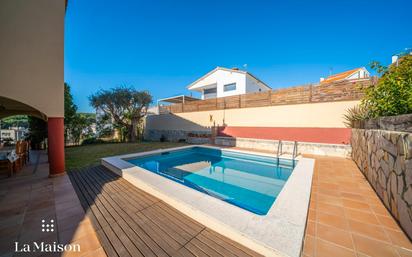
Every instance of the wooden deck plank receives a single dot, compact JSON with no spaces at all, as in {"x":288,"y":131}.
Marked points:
{"x":131,"y":240}
{"x":145,"y":244}
{"x":195,"y":250}
{"x":103,"y":217}
{"x":111,"y":245}
{"x":217,"y":247}
{"x":131,"y":222}
{"x":139,"y":194}
{"x":205,"y":248}
{"x":232,"y":246}
{"x":168,"y":226}
{"x":189,"y":224}
{"x":183,"y":252}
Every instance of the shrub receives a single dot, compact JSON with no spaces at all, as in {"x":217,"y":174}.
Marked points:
{"x":392,"y":95}
{"x":93,"y":140}
{"x":354,"y":116}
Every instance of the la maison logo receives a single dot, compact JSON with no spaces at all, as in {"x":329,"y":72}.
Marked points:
{"x":54,"y":247}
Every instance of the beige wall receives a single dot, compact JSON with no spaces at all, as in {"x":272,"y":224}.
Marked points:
{"x":317,"y":115}
{"x":32,"y":53}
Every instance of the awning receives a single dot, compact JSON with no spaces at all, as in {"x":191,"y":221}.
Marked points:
{"x":178,"y":99}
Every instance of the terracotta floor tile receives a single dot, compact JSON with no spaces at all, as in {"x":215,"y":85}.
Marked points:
{"x":330,"y":208}
{"x":69,"y":222}
{"x":309,"y":246}
{"x":329,"y":199}
{"x":87,"y":244}
{"x":348,"y":188}
{"x":404,"y":252}
{"x":399,"y":238}
{"x":75,"y":210}
{"x":337,"y":236}
{"x":388,"y":222}
{"x":96,"y":253}
{"x":310,"y":228}
{"x":76,"y":232}
{"x":329,"y":192}
{"x":380,"y":209}
{"x":332,"y":220}
{"x":355,"y":205}
{"x":373,"y":247}
{"x":326,"y":249}
{"x":369,"y":230}
{"x":325,"y":185}
{"x":353,"y":196}
{"x":362,"y":216}
{"x":312,"y":215}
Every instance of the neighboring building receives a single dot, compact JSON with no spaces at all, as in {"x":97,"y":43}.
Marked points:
{"x":13,"y":133}
{"x":222,"y":82}
{"x":359,"y":73}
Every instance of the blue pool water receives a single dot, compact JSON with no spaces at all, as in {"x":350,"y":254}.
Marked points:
{"x":251,"y":182}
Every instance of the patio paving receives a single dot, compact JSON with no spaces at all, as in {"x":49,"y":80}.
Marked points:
{"x":30,"y":197}
{"x":346,"y":218}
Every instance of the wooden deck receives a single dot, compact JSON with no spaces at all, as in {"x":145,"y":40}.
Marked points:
{"x":130,"y":222}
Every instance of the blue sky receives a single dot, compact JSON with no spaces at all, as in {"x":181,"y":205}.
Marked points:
{"x":162,"y":46}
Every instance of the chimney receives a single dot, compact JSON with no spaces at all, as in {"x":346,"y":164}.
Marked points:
{"x":235,"y":68}
{"x":322,"y":79}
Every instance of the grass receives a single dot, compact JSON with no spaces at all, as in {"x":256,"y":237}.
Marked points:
{"x":82,"y":156}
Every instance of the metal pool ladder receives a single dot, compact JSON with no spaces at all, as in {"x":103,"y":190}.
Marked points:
{"x":279,"y":152}
{"x":295,"y":152}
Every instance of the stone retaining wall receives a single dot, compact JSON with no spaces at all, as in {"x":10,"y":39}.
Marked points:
{"x":401,"y":123}
{"x":385,"y":158}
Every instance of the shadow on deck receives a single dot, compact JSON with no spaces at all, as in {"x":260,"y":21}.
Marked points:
{"x":131,"y":222}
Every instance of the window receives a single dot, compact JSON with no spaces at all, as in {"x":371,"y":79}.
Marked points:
{"x":229,"y":87}
{"x":209,"y":91}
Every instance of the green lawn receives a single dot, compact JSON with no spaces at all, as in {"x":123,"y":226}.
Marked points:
{"x":82,"y":156}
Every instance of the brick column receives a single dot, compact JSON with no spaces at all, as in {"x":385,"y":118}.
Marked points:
{"x":56,"y":146}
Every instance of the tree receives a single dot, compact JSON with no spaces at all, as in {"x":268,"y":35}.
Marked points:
{"x":70,"y":110}
{"x":125,"y":105}
{"x":393,"y":93}
{"x":79,"y":126}
{"x":15,"y":121}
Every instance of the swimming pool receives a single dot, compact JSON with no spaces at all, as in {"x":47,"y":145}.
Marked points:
{"x":248,"y":181}
{"x":242,"y":194}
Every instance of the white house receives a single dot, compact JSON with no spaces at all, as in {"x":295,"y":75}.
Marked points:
{"x":358,"y":73}
{"x":222,"y":82}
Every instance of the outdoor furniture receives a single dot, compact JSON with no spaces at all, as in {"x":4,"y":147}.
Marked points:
{"x":22,"y":152}
{"x":7,"y":161}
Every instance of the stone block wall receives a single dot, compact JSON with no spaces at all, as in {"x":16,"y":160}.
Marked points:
{"x":385,"y":158}
{"x":401,"y":123}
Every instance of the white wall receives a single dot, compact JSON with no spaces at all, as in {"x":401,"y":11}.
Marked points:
{"x":223,"y":77}
{"x":219,"y":78}
{"x":253,"y":85}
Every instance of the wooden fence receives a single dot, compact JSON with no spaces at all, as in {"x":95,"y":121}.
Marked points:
{"x":332,"y":92}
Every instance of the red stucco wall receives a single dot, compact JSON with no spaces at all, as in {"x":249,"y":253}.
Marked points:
{"x":313,"y":135}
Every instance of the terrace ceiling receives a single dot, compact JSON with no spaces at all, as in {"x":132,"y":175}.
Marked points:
{"x":10,"y":107}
